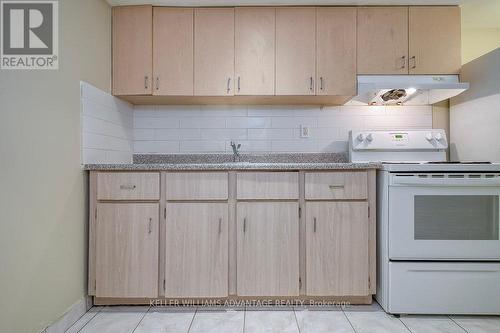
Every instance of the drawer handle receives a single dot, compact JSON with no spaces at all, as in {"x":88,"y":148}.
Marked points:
{"x":150,"y":227}
{"x":244,"y":225}
{"x":314,"y":225}
{"x":220,"y":225}
{"x":127,"y":187}
{"x":336,"y":187}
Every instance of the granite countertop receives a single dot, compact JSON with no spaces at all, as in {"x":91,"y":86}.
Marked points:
{"x":186,"y":162}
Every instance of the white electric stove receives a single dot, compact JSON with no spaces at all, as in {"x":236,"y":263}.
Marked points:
{"x":438,"y":225}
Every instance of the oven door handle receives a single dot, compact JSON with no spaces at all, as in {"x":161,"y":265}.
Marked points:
{"x":443,"y":182}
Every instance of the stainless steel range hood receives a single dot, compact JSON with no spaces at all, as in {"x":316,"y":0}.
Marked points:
{"x":406,"y":89}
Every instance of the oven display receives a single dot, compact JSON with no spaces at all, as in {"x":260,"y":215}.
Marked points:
{"x":399,"y":139}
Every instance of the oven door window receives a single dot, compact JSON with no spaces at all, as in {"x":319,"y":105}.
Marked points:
{"x":456,"y":217}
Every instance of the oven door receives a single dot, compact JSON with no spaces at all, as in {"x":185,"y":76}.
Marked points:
{"x":444,"y":217}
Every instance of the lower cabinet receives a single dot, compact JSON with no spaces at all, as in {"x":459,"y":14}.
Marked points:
{"x":337,"y":254}
{"x":171,"y":235}
{"x":126,"y":248}
{"x":267,"y":249}
{"x":196,"y":254}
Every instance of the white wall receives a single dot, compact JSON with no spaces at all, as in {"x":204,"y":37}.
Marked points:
{"x":475,"y":114}
{"x":107,"y":122}
{"x":209,"y":129}
{"x":43,"y":211}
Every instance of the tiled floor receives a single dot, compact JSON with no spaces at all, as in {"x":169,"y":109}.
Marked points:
{"x":354,"y":319}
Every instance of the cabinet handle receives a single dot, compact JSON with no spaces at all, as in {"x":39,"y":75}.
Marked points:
{"x":127,"y":187}
{"x":335,"y":187}
{"x":150,"y":230}
{"x":157,"y":83}
{"x":403,"y":60}
{"x":220,"y":225}
{"x":321,"y":83}
{"x":146,"y":82}
{"x":414,"y":62}
{"x":228,"y":85}
{"x":244,"y":225}
{"x":311,"y":83}
{"x":314,"y":224}
{"x":238,"y":83}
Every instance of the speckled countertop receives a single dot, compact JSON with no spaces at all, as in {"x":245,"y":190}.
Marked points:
{"x":185,"y":162}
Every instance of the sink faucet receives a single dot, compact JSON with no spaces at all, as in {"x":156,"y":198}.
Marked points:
{"x":236,"y":151}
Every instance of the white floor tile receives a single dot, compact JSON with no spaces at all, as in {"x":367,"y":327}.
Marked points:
{"x":166,"y":320}
{"x":212,"y":321}
{"x":270,"y":322}
{"x":323,"y":322}
{"x":431,"y":324}
{"x":88,"y":316}
{"x":375,"y":322}
{"x":479,"y":324}
{"x":318,"y":308}
{"x":120,"y":319}
{"x":363,"y":308}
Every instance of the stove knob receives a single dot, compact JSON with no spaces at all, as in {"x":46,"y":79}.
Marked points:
{"x":428,"y":136}
{"x":438,"y":136}
{"x":369,"y":137}
{"x":360,"y":137}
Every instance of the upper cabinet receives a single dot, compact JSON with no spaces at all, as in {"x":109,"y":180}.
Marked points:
{"x":255,"y":44}
{"x":282,"y":55}
{"x":435,"y":43}
{"x":132,"y":50}
{"x":213,"y":51}
{"x":383,"y":40}
{"x":414,"y":40}
{"x":173,"y":44}
{"x":336,"y":51}
{"x":295,"y":51}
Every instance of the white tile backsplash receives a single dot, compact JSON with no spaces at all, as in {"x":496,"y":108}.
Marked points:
{"x":106,"y":127}
{"x":209,"y":129}
{"x":112,"y":129}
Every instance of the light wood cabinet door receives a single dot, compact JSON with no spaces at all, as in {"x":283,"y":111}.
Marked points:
{"x":267,"y":249}
{"x":337,"y":249}
{"x":127,"y":250}
{"x":336,"y":51}
{"x":132,"y":50}
{"x":295,"y":51}
{"x":173,"y":44}
{"x":213,"y":51}
{"x":196,"y":255}
{"x":435,"y":42}
{"x":383,"y":40}
{"x":254,"y":50}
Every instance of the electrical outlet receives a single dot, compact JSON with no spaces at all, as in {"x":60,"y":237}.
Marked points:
{"x":304,"y":131}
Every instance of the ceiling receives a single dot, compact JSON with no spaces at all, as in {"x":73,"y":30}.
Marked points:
{"x":194,"y":3}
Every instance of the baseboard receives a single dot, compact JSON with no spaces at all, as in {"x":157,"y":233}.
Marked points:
{"x":71,"y":316}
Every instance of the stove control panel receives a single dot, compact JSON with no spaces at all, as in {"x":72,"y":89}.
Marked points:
{"x":398,"y":146}
{"x":432,"y":139}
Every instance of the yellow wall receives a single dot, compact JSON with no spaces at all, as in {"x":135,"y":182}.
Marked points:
{"x":43,"y":189}
{"x":477,"y":42}
{"x":480,"y":28}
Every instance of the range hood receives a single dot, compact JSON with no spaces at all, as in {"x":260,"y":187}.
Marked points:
{"x":406,"y":89}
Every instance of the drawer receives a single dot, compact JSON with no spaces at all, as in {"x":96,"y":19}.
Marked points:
{"x":197,"y":186}
{"x":444,"y":288}
{"x":336,"y":185}
{"x":267,"y":185}
{"x":128,"y":186}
